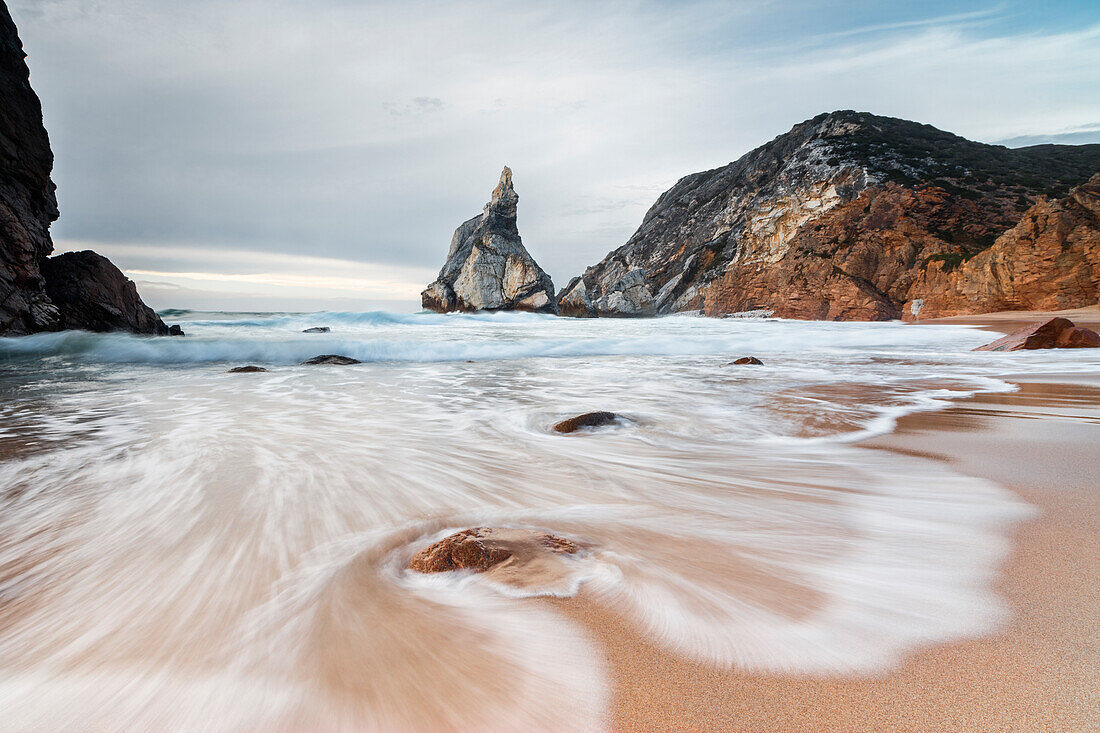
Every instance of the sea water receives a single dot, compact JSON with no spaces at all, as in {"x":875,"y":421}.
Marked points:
{"x":187,"y":548}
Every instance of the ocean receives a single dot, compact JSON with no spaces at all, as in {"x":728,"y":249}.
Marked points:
{"x":189,"y":548}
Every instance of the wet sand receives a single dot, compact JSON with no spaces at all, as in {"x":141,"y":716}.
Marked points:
{"x":1040,"y":672}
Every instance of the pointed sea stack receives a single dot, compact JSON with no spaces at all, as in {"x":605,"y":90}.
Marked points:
{"x":488,"y":268}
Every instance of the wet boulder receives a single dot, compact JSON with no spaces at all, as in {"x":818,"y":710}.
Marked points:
{"x":249,"y":369}
{"x":332,"y":359}
{"x":482,"y":548}
{"x":1057,"y":333}
{"x":175,"y":330}
{"x":317,"y":329}
{"x":746,"y":360}
{"x":587,"y":420}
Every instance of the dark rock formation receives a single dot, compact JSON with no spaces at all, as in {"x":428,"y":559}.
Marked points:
{"x":249,"y":369}
{"x":91,"y":294}
{"x":175,"y":330}
{"x":317,"y":329}
{"x":487,"y":267}
{"x":587,"y":420}
{"x":332,"y":359}
{"x":481,"y":548}
{"x":746,"y":360}
{"x":1057,"y":333}
{"x":27,"y":202}
{"x":850,"y":216}
{"x":76,"y":290}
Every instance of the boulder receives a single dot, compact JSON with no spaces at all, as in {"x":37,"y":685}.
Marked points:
{"x":487,"y":267}
{"x":481,"y":548}
{"x":317,"y":329}
{"x":91,"y":294}
{"x":175,"y":330}
{"x":746,"y":360}
{"x":587,"y":420}
{"x":332,"y":359}
{"x":1057,"y":333}
{"x":247,"y":369}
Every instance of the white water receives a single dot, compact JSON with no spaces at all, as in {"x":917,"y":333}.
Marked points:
{"x":186,"y":548}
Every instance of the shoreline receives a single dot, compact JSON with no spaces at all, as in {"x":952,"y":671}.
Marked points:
{"x":1039,"y":671}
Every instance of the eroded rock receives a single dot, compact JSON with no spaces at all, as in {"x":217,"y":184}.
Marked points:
{"x":746,"y":360}
{"x":482,"y":548}
{"x":1057,"y":333}
{"x":332,"y":359}
{"x":317,"y":329}
{"x":487,"y":267}
{"x":587,"y":420}
{"x":853,"y":216}
{"x":92,"y":294}
{"x":247,"y":369}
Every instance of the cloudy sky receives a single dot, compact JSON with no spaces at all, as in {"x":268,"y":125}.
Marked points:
{"x":269,"y":154}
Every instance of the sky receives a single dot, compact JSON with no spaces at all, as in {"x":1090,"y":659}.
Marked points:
{"x":279,"y":155}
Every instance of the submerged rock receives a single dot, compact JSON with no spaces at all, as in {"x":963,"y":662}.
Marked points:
{"x":746,"y":360}
{"x":93,"y":295}
{"x":247,"y":369}
{"x":317,"y":329}
{"x":482,"y":548}
{"x":487,"y":267}
{"x":332,"y":359}
{"x":587,"y":420}
{"x":1057,"y":333}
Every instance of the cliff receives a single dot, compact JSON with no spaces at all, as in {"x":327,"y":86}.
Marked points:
{"x":27,"y":202}
{"x":487,"y":266}
{"x":849,"y":216}
{"x":95,"y":293}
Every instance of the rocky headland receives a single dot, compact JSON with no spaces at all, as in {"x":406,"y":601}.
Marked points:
{"x":852,"y":216}
{"x":487,"y":267}
{"x":37,"y":293}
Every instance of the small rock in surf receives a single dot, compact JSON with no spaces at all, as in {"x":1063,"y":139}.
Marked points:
{"x":481,"y":548}
{"x":317,"y":329}
{"x":331,"y":359}
{"x":175,"y":330}
{"x":247,"y":369}
{"x":587,"y":420}
{"x":746,"y":360}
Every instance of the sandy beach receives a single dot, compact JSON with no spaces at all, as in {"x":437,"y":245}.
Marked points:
{"x":1040,"y":672}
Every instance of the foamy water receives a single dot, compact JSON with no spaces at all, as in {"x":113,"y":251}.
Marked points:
{"x":189,"y":549}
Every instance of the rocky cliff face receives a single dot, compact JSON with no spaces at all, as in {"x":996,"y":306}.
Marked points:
{"x":487,"y":267}
{"x":91,"y":292}
{"x":27,"y":203}
{"x":848,"y":216}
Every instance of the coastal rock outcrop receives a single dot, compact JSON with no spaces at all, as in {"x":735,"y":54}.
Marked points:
{"x":852,"y":216}
{"x":487,"y":267}
{"x":91,"y":294}
{"x":75,"y":290}
{"x":27,"y":202}
{"x":482,"y":548}
{"x":587,"y":420}
{"x":1057,"y":333}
